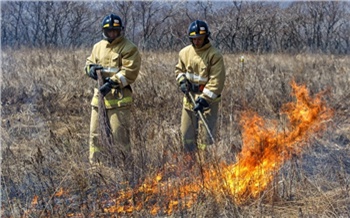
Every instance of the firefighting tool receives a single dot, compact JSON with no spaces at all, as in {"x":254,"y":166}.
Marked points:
{"x":201,"y":104}
{"x":186,"y":86}
{"x":109,"y":84}
{"x":105,"y":128}
{"x":92,"y":70}
{"x":200,"y":114}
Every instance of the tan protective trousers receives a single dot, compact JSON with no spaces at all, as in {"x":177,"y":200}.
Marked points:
{"x":194,"y":133}
{"x":119,"y":119}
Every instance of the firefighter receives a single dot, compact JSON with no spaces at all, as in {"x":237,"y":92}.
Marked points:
{"x":200,"y":71}
{"x":119,"y":61}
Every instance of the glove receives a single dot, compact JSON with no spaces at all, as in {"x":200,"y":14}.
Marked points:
{"x":107,"y":87}
{"x":201,"y":104}
{"x":185,"y":86}
{"x":92,"y":71}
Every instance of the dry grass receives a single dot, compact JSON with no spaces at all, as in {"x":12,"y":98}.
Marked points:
{"x":45,"y":100}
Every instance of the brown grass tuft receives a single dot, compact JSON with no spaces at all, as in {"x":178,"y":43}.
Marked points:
{"x":45,"y":100}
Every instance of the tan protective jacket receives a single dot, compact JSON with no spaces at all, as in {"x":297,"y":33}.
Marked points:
{"x":121,"y":54}
{"x":204,"y":66}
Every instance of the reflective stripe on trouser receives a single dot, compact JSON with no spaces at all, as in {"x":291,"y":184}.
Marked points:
{"x":191,"y":124}
{"x":119,"y":119}
{"x":112,"y":103}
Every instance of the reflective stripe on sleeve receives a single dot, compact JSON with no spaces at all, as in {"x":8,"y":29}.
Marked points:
{"x":179,"y":76}
{"x":122,"y":79}
{"x":196,"y":78}
{"x":209,"y":93}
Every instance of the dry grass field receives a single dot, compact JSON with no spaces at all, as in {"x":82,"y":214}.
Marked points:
{"x":45,"y":112}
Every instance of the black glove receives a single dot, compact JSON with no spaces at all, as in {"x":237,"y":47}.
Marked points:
{"x":185,"y":86}
{"x":92,"y":71}
{"x":109,"y":84}
{"x":201,"y":104}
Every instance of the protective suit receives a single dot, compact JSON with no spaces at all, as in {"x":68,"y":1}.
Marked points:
{"x":204,"y":70}
{"x":121,"y":62}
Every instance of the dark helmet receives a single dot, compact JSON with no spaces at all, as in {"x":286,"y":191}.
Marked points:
{"x":198,"y":28}
{"x":112,"y":21}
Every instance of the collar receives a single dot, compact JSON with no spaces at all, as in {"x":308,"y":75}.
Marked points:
{"x":115,"y":41}
{"x":204,"y":47}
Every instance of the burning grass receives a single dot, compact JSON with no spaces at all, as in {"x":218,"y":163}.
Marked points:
{"x":274,"y":156}
{"x":263,"y":153}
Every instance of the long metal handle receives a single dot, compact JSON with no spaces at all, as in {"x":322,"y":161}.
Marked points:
{"x":105,"y":127}
{"x":201,"y":116}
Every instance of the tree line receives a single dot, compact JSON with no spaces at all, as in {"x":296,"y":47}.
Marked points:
{"x":236,"y":26}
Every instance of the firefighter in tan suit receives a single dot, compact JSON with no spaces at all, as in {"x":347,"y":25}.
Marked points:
{"x":201,"y":71}
{"x":120,"y":60}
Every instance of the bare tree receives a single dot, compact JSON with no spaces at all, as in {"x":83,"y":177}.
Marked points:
{"x":81,"y":22}
{"x":155,"y":25}
{"x":13,"y":22}
{"x":152,"y":15}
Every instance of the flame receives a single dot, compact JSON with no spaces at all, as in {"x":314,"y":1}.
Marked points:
{"x":35,"y":200}
{"x":60,"y":192}
{"x":266,"y":146}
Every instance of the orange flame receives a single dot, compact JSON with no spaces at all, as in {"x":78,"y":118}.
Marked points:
{"x":60,"y":192}
{"x":35,"y":200}
{"x":265,"y":148}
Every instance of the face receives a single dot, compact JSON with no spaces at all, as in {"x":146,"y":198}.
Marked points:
{"x":198,"y":42}
{"x":112,"y":34}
